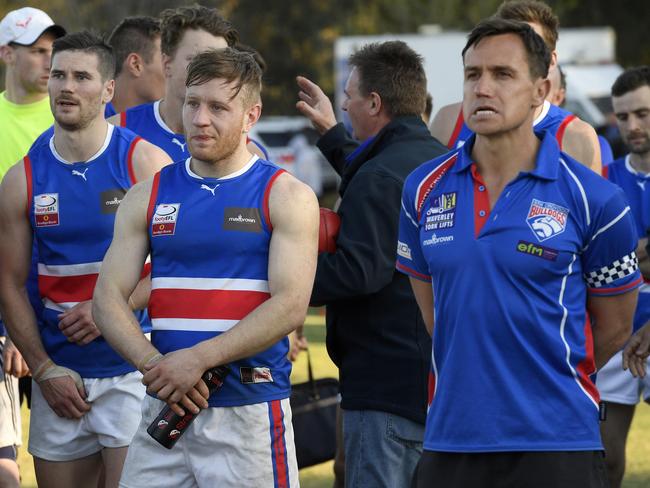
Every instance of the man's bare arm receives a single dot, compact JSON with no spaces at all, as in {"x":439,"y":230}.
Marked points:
{"x":423,"y":292}
{"x":443,"y":124}
{"x":580,"y":141}
{"x":62,"y":388}
{"x":119,"y":275}
{"x":612,"y":323}
{"x":292,"y":266}
{"x":148,"y":160}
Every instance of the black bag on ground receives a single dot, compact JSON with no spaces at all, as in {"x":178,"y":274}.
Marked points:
{"x":313,"y":407}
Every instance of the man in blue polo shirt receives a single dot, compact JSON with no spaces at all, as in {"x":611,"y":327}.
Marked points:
{"x":519,"y":242}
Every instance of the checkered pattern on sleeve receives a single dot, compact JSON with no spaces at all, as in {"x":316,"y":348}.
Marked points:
{"x":620,"y":268}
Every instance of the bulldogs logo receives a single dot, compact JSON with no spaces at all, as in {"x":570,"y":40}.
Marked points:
{"x":546,"y":219}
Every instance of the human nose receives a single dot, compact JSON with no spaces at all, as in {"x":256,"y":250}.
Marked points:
{"x":200,"y":117}
{"x":482,"y":85}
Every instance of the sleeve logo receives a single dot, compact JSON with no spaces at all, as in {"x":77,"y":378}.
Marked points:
{"x":164,"y":219}
{"x":403,"y":250}
{"x":46,"y":209}
{"x":546,"y":219}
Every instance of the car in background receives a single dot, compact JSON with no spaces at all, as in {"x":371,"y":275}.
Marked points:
{"x":278,"y":135}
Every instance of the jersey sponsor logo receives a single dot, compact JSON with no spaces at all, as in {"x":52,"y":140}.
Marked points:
{"x":403,"y":250}
{"x":537,"y":250}
{"x":242,"y":219}
{"x":442,"y":212}
{"x":164,"y":219}
{"x":255,"y":375}
{"x":109,"y":200}
{"x":81,"y":174}
{"x":46,"y":209}
{"x":179,"y":144}
{"x":434,"y":240}
{"x":546,"y":219}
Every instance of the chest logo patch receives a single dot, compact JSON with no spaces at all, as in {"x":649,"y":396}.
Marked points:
{"x":242,"y":219}
{"x":546,"y":219}
{"x":46,"y":209}
{"x":164,"y":219}
{"x":441,"y":213}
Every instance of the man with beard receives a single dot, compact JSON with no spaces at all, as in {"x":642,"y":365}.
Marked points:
{"x":618,"y":388}
{"x":233,"y":241}
{"x":64,"y":195}
{"x":26,"y":37}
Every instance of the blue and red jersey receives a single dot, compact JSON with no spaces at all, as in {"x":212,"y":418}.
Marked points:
{"x":72,"y":207}
{"x":552,"y":118}
{"x":633,"y":183}
{"x":209,"y":255}
{"x":512,"y":348}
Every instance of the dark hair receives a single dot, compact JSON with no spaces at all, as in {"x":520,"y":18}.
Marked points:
{"x":89,"y":42}
{"x":231,"y":66}
{"x":538,"y":54}
{"x":631,"y":79}
{"x":532,"y":11}
{"x":134,"y":35}
{"x":395,"y":72}
{"x":245,"y":48}
{"x":176,"y":21}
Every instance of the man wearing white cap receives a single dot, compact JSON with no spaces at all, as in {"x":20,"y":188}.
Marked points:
{"x":26,"y":37}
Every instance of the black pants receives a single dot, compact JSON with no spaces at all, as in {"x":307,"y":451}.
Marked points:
{"x":565,"y":469}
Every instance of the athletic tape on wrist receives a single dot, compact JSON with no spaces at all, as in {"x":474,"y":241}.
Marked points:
{"x":48,"y":370}
{"x":147,"y":359}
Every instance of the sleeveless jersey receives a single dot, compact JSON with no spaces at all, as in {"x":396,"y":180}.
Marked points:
{"x":552,"y":118}
{"x":145,"y":120}
{"x":72,"y":209}
{"x":209,"y":257}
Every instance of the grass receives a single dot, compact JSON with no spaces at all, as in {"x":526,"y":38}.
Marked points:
{"x":638,"y":446}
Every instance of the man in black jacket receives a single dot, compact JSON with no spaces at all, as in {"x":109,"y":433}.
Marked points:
{"x":375,"y":332}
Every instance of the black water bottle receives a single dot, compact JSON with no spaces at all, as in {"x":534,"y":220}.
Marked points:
{"x":168,"y":426}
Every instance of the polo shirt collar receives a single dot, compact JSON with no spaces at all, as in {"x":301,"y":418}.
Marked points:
{"x":546,"y":164}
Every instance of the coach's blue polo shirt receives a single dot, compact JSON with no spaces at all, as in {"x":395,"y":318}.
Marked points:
{"x":512,"y":346}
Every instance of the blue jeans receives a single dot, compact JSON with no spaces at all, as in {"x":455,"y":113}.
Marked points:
{"x":381,"y":449}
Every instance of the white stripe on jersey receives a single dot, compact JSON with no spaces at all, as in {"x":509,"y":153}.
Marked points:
{"x":582,"y":190}
{"x":69,"y":269}
{"x":195,"y":325}
{"x":607,"y":226}
{"x":226,"y":284}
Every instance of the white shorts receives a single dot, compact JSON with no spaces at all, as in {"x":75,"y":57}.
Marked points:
{"x":618,"y":386}
{"x":250,"y":446}
{"x":112,"y":420}
{"x":10,"y":429}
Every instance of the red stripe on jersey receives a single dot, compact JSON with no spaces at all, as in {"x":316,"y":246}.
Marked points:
{"x":605,"y":172}
{"x":129,"y":160}
{"x":278,"y":445}
{"x":27,"y":164}
{"x":62,"y":289}
{"x":204,"y":304}
{"x":265,"y":200}
{"x":412,"y":272}
{"x":123,"y":119}
{"x":146,"y":270}
{"x":481,"y":202}
{"x":588,"y":365}
{"x":431,"y":387}
{"x":559,"y":135}
{"x":429,"y":183}
{"x":152,"y":198}
{"x":618,"y":289}
{"x":459,"y":125}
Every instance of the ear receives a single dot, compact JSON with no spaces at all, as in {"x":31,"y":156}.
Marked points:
{"x":166,"y":63}
{"x":251,"y":116}
{"x":7,"y":54}
{"x":542,"y":87}
{"x":133,"y":63}
{"x":375,"y":104}
{"x":108,"y":91}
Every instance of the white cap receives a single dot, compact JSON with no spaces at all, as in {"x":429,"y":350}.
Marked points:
{"x":25,"y":25}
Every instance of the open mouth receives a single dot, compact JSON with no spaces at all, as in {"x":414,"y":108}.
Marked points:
{"x":484,"y":111}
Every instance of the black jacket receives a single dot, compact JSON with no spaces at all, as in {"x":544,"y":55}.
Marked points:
{"x":375,"y":333}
